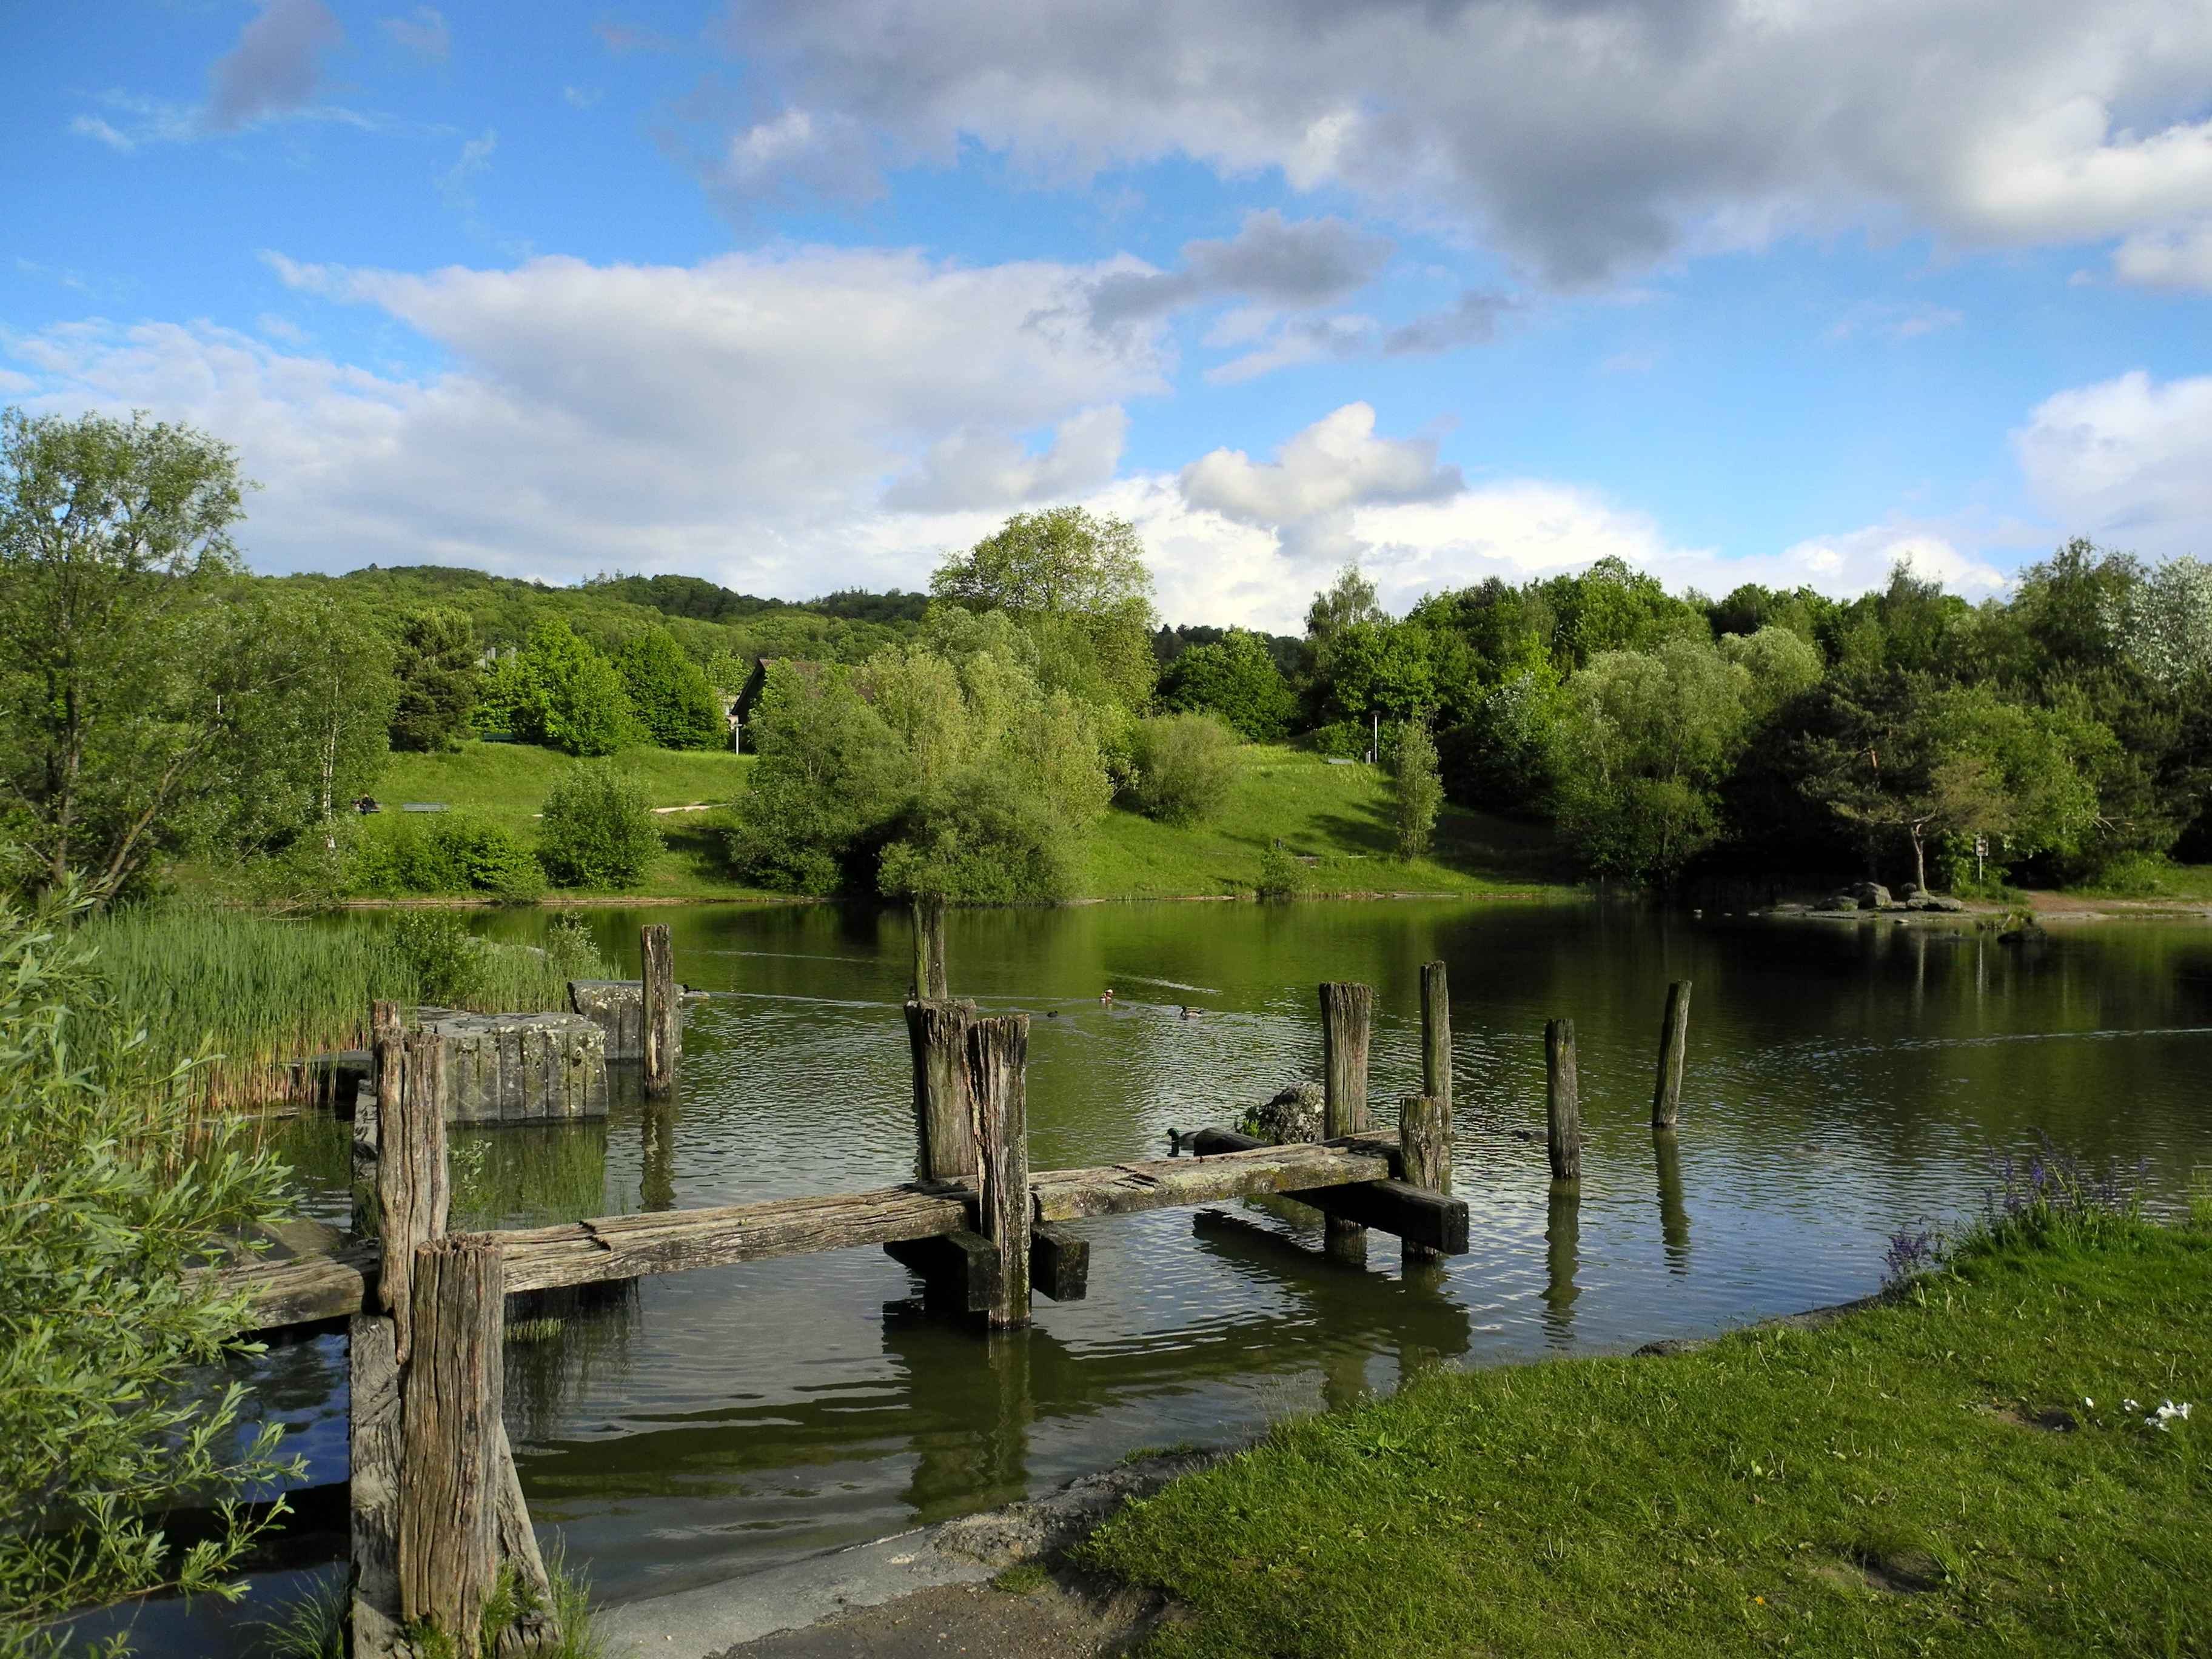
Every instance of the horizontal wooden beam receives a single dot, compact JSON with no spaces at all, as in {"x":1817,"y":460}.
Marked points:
{"x":675,"y":1241}
{"x":1416,"y":1214}
{"x":1126,"y":1188}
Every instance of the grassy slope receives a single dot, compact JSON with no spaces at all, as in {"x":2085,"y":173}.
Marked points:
{"x":1902,"y":1480}
{"x":1338,"y":814}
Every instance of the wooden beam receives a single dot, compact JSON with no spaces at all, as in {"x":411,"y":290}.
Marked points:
{"x":1126,"y":1188}
{"x":663,"y":1014}
{"x":1059,"y":1263}
{"x":1425,"y":1133}
{"x":306,"y":1289}
{"x":1416,"y":1214}
{"x":963,"y":1266}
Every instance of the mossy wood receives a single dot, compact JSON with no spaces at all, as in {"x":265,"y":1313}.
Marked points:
{"x":663,"y":1015}
{"x":1347,"y":1021}
{"x":451,"y":1438}
{"x":998,"y":1102}
{"x":1563,"y":1132}
{"x":1424,"y":1141}
{"x":1436,"y":1037}
{"x":411,"y":1180}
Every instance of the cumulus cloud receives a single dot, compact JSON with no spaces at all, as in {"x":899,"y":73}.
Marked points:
{"x":1307,"y":494}
{"x":1583,"y":139}
{"x":273,"y":70}
{"x":2129,"y":458}
{"x":2170,"y":257}
{"x":1295,"y":267}
{"x":978,"y":468}
{"x":425,"y":33}
{"x":1471,"y":320}
{"x":736,"y":416}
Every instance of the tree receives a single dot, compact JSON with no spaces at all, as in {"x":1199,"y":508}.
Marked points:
{"x":112,"y":1189}
{"x":596,"y":828}
{"x":1417,"y":788}
{"x":669,"y":695}
{"x":1079,"y":586}
{"x":438,"y":679}
{"x":1349,"y":600}
{"x":114,"y":546}
{"x":1237,"y":678}
{"x":562,"y":693}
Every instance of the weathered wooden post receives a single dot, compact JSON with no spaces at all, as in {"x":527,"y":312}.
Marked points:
{"x":663,"y":1014}
{"x":1436,"y":1037}
{"x":412,"y":1192}
{"x":1425,"y":1147}
{"x":930,"y":984}
{"x":1347,"y":1021}
{"x":997,"y":1052}
{"x":1563,"y":1131}
{"x":937,"y":1032}
{"x":1674,"y":1045}
{"x":451,"y":1437}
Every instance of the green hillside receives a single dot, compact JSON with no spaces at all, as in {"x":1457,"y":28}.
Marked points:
{"x":1337,"y":815}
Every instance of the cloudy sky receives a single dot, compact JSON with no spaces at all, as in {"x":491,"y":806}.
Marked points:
{"x":799,"y":294}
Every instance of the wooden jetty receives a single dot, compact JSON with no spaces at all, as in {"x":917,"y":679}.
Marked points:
{"x":436,"y":1506}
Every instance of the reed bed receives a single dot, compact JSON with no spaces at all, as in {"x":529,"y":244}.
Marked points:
{"x":253,"y":993}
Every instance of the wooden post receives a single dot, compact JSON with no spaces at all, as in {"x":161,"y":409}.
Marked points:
{"x":452,"y":1436}
{"x":662,"y":1012}
{"x":937,"y":986}
{"x":372,"y":1497}
{"x":411,"y":1193}
{"x":1347,"y":1019}
{"x":937,"y":1033}
{"x":998,"y":1049}
{"x":1674,"y":1044}
{"x":1563,"y":1131}
{"x":920,"y":991}
{"x":1436,"y":1039}
{"x":1425,"y":1145}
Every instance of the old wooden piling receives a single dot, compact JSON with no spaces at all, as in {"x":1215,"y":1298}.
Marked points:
{"x":1436,"y":1037}
{"x":1348,"y":1020}
{"x":1674,"y":1046}
{"x":930,"y":984}
{"x":411,"y":1191}
{"x":451,"y":1437}
{"x":997,"y":1052}
{"x":373,"y":1494}
{"x":1563,"y":1131}
{"x":1424,"y":1144}
{"x":662,"y":1012}
{"x":936,"y":1034}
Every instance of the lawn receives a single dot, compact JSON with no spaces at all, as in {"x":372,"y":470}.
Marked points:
{"x":1928,"y":1476}
{"x":1336,"y":816}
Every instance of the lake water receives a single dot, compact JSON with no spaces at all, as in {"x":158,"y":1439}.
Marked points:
{"x":1846,"y":1079}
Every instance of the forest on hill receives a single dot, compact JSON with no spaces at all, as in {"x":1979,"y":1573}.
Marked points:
{"x":163,"y":704}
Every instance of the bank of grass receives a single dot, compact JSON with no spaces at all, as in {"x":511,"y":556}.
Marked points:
{"x":1925,"y":1476}
{"x":506,"y":783}
{"x":1336,"y":817}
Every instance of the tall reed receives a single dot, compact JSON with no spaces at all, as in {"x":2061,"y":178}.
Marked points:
{"x":256,"y":992}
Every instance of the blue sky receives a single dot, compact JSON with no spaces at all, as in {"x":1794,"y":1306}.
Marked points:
{"x":798,"y":296}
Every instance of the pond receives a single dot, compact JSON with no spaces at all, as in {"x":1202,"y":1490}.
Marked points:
{"x":1845,"y":1080}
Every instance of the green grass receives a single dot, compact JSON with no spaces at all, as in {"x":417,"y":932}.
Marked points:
{"x":508,"y":782}
{"x":1922,"y":1477}
{"x":2146,"y":878}
{"x":1338,"y":815}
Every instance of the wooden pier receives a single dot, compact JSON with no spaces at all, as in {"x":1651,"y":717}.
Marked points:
{"x":437,"y":1507}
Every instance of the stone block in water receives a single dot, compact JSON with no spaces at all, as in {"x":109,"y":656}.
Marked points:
{"x":617,"y":1007}
{"x":520,"y":1069}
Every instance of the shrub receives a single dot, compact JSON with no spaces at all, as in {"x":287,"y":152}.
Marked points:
{"x":454,"y":854}
{"x":1281,"y":875}
{"x":1185,"y":767}
{"x":598,"y":830}
{"x":981,"y":841}
{"x":1236,"y":679}
{"x":450,"y":970}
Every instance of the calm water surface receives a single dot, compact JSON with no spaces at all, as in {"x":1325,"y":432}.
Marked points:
{"x":1845,"y":1080}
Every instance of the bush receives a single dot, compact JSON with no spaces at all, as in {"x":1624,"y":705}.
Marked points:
{"x":1416,"y":789}
{"x":598,"y":830}
{"x":111,"y":1190}
{"x":1236,"y":679}
{"x":1185,"y":767}
{"x":1281,"y":875}
{"x":981,"y":840}
{"x":455,"y":855}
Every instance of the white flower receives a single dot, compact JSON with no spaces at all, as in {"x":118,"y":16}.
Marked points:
{"x":2090,"y":1403}
{"x":2166,"y":1413}
{"x":2129,"y":1406}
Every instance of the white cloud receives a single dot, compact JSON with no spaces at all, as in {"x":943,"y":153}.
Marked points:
{"x":1584,"y":139}
{"x":2170,"y":257}
{"x":2129,"y":458}
{"x":1892,"y":321}
{"x":91,"y":126}
{"x":735,"y":418}
{"x":1334,"y":465}
{"x":977,"y":467}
